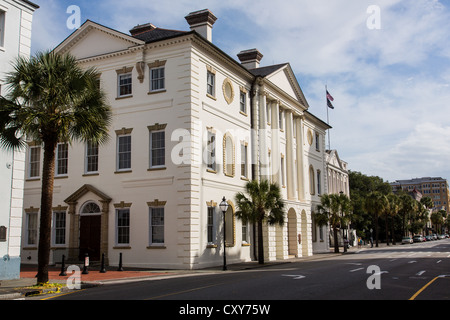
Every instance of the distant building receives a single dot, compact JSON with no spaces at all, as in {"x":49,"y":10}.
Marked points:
{"x":434,"y":187}
{"x":15,"y":39}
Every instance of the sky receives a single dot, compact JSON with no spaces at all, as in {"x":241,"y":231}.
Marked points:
{"x":385,"y":62}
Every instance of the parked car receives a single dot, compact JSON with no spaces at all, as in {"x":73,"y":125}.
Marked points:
{"x":418,"y":238}
{"x":434,"y":236}
{"x":407,"y":240}
{"x":429,"y":238}
{"x":441,"y":236}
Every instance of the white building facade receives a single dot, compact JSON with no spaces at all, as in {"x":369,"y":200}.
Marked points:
{"x":191,"y":125}
{"x":15,"y":39}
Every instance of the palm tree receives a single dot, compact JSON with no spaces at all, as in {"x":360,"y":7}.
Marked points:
{"x":375,"y":204}
{"x":264,"y":204}
{"x":334,"y":209}
{"x":407,"y":207}
{"x":394,"y":207}
{"x":51,"y":100}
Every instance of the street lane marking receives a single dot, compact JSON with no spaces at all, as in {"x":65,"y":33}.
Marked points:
{"x":356,"y":269}
{"x":420,"y":273}
{"x":439,"y":261}
{"x":294,"y":276}
{"x":423,"y":288}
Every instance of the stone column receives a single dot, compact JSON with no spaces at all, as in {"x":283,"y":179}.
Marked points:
{"x":290,"y":169}
{"x":300,"y":169}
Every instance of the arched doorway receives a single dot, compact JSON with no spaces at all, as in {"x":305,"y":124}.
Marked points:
{"x":90,"y":231}
{"x":292,"y":233}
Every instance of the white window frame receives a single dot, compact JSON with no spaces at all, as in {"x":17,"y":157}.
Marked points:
{"x":118,"y":153}
{"x":151,"y":212}
{"x":211,"y":83}
{"x":243,"y":102}
{"x":32,"y":163}
{"x":211,"y":226}
{"x":89,"y":146}
{"x":211,"y":151}
{"x":244,"y":160}
{"x":62,"y":162}
{"x":125,"y":227}
{"x":56,"y":227}
{"x":128,"y":75}
{"x":158,"y":79}
{"x":32,"y":229}
{"x":152,"y":165}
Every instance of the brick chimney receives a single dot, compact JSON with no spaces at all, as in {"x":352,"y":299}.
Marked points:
{"x":142,"y":28}
{"x":250,"y":59}
{"x":202,"y":21}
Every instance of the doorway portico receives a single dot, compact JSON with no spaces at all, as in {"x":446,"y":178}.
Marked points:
{"x":88,"y":231}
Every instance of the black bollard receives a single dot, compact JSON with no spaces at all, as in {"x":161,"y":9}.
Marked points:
{"x":103,"y":269}
{"x":63,"y":267}
{"x":86,"y":264}
{"x":120,"y":263}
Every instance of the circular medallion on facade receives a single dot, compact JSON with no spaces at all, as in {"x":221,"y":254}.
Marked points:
{"x":228,"y":91}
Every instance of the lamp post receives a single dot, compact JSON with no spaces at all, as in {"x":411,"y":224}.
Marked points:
{"x":224,"y":207}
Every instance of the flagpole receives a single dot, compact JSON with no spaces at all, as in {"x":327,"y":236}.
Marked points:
{"x":328,"y":119}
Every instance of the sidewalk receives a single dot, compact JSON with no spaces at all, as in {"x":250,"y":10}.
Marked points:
{"x":19,"y":288}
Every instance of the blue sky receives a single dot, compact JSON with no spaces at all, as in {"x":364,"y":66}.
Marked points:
{"x":386,"y":63}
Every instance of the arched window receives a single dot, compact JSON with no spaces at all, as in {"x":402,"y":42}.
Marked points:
{"x":90,"y":208}
{"x":311,"y":180}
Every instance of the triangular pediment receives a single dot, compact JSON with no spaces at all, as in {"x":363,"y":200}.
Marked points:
{"x":284,"y":78}
{"x":85,"y":189}
{"x":93,"y":39}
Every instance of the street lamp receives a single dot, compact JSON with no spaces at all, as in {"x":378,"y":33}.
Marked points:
{"x":224,"y":207}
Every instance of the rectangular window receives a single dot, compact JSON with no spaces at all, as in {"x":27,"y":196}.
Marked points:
{"x":210,"y":88}
{"x":59,"y":228}
{"x":62,"y":159}
{"x":123,"y":152}
{"x":157,"y":79}
{"x":34,"y":162}
{"x":243,"y":102}
{"x":319,"y":185}
{"x":123,"y":226}
{"x":244,"y":171}
{"x":156,"y":217}
{"x":91,"y":157}
{"x":317,"y":142}
{"x":2,"y":28}
{"x":157,"y":149}
{"x":125,"y":85}
{"x":245,"y":233}
{"x":211,"y":150}
{"x":32,"y":228}
{"x":210,"y":225}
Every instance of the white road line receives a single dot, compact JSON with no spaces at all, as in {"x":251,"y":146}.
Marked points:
{"x":420,"y":273}
{"x":439,"y":261}
{"x":356,"y":269}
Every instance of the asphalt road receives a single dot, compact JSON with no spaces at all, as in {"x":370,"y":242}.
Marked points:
{"x":420,"y":271}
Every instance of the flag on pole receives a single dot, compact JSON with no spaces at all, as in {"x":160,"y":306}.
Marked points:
{"x":329,"y":99}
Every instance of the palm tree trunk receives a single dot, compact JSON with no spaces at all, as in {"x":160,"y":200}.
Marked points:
{"x":392,"y":231}
{"x":48,"y":174}
{"x":260,"y":242}
{"x":387,"y":233}
{"x":335,"y":236}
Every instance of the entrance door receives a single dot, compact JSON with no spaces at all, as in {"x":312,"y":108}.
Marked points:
{"x":90,"y":237}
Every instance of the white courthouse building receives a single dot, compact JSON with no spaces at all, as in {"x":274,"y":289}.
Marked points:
{"x":191,"y":125}
{"x":16,"y":18}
